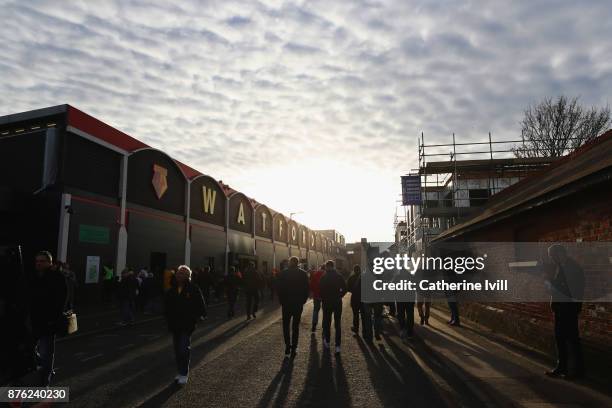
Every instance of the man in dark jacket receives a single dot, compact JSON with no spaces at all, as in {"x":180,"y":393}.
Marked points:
{"x":315,"y":280}
{"x":354,"y":286}
{"x":126,"y":294}
{"x":232,"y":282}
{"x":47,"y":302}
{"x":184,"y":306}
{"x":252,"y":280}
{"x":567,"y":292}
{"x":292,"y":289}
{"x":333,"y":289}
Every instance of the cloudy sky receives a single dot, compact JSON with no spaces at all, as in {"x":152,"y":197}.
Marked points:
{"x":310,"y":106}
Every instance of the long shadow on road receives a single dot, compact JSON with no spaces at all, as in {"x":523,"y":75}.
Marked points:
{"x":160,"y":366}
{"x":324,"y":384}
{"x":281,"y":381}
{"x":397,"y":378}
{"x":153,"y":369}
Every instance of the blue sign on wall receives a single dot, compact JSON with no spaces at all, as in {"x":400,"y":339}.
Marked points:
{"x":411,"y":190}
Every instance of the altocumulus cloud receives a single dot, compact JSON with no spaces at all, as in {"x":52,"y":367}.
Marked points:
{"x":235,"y":88}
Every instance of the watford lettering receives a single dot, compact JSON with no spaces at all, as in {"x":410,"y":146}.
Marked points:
{"x":208,"y":200}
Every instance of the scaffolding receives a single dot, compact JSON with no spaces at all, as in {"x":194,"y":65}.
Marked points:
{"x":455,"y":189}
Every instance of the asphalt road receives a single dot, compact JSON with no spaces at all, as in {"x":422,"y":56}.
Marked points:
{"x":236,"y":363}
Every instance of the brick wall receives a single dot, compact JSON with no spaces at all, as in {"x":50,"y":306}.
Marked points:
{"x":585,"y":216}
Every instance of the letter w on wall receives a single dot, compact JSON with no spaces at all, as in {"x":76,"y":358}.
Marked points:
{"x":209,"y":196}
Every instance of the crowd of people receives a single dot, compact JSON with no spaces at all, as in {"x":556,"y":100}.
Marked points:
{"x":186,"y":294}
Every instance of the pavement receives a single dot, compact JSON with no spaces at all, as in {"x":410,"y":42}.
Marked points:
{"x":502,"y":373}
{"x":239,"y":363}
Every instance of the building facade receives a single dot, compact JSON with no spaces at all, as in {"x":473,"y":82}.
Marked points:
{"x":96,"y":196}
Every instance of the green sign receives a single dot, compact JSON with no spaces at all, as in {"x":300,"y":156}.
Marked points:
{"x":93,"y":234}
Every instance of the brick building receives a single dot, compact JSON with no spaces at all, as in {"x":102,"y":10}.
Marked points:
{"x":569,"y":201}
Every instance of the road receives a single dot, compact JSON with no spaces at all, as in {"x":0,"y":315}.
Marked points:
{"x":239,"y":363}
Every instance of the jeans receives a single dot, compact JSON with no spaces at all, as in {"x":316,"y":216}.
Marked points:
{"x":423,"y":308}
{"x":566,"y":334}
{"x":45,"y":353}
{"x":405,"y":315}
{"x":232,"y":295}
{"x":291,"y":316}
{"x":356,"y":314}
{"x":252,"y":301}
{"x":206,"y":293}
{"x":366,"y":319}
{"x":127,"y":310}
{"x":334,"y":308}
{"x":316,"y":303}
{"x":182,"y":351}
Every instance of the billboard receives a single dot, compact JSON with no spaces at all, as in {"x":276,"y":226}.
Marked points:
{"x":411,"y":190}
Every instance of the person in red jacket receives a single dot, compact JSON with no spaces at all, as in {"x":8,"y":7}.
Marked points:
{"x":315,"y":292}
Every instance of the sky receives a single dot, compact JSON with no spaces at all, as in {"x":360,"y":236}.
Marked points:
{"x":312,"y":107}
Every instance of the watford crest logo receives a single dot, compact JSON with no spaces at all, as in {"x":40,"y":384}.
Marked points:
{"x":160,"y":181}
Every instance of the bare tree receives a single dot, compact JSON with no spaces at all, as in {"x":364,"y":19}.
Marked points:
{"x":554,"y":128}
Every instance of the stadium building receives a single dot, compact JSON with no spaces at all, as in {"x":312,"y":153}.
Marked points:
{"x":96,"y":196}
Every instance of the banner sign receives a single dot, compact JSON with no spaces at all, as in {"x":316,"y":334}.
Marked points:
{"x":93,"y":234}
{"x":92,"y":269}
{"x":411,"y":190}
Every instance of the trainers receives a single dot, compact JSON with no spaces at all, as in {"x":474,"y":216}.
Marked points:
{"x":325,"y":344}
{"x":182,"y":380}
{"x":337,"y":349}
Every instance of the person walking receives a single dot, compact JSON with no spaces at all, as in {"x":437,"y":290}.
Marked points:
{"x":354,"y":286}
{"x":205,"y":281}
{"x":405,"y":317}
{"x":232,"y":283}
{"x":141,"y":297}
{"x":184,"y":307}
{"x":168,"y":279}
{"x":47,"y":298}
{"x":252,"y":282}
{"x":126,"y":294}
{"x":423,"y":306}
{"x":70,"y":283}
{"x":567,"y":292}
{"x":315,"y":292}
{"x":108,"y":281}
{"x":333,"y":289}
{"x":292,"y":290}
{"x":149,"y":292}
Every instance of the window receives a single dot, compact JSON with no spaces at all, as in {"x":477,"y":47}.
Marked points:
{"x":478,"y":197}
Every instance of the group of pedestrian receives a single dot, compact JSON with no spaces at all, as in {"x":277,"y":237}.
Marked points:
{"x":185,"y":304}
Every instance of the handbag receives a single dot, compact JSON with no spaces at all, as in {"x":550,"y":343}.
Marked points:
{"x":69,"y":322}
